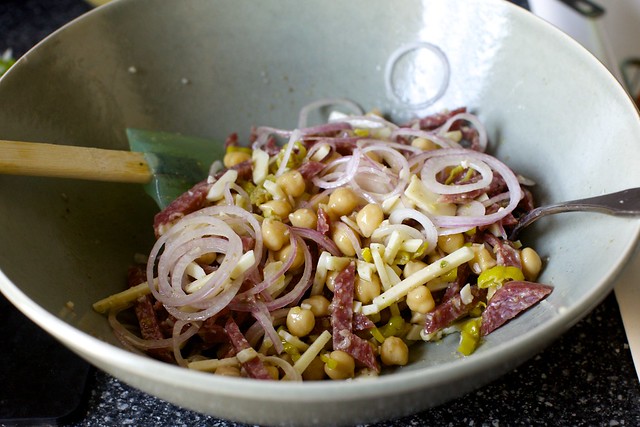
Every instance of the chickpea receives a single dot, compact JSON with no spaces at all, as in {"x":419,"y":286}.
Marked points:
{"x":279,"y":208}
{"x":331,"y":157}
{"x":424,"y":144}
{"x":394,"y":351}
{"x":284,"y":253}
{"x":531,"y":263}
{"x":344,"y":366}
{"x":419,"y":299}
{"x":412,"y":267}
{"x":342,"y":240}
{"x":305,"y":218}
{"x":435,"y":256}
{"x":454,"y":135}
{"x":292,"y":182}
{"x":365,"y":291}
{"x":228,"y":371}
{"x":300,"y":321}
{"x":369,"y":218}
{"x":331,"y":280}
{"x":342,"y":201}
{"x":451,"y":242}
{"x":233,"y":158}
{"x":274,"y":234}
{"x":207,"y":258}
{"x":318,"y":304}
{"x":273,"y":371}
{"x":374,"y":156}
{"x":315,"y":370}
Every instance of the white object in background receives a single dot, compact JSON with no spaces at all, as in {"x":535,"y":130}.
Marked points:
{"x":613,"y":38}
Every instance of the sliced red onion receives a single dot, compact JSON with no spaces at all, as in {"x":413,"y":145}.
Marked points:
{"x":513,"y":186}
{"x":325,"y":128}
{"x":144,"y":344}
{"x":496,"y":199}
{"x":428,"y":229}
{"x":303,"y":116}
{"x":268,"y":281}
{"x":320,"y":144}
{"x":301,"y":287}
{"x":341,"y":176}
{"x":290,"y":374}
{"x":441,"y":140}
{"x":482,"y":131}
{"x":323,"y":241}
{"x":263,"y":317}
{"x":318,"y":198}
{"x":455,"y":230}
{"x":239,"y":190}
{"x":186,"y":241}
{"x":385,"y":230}
{"x":264,"y":132}
{"x":170,"y":287}
{"x":397,"y":173}
{"x":227,"y":196}
{"x":178,"y":338}
{"x":433,"y":166}
{"x":295,"y":137}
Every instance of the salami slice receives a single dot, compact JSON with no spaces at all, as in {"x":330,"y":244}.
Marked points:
{"x":506,"y":254}
{"x":149,"y":324}
{"x":436,"y":120}
{"x":254,"y":367}
{"x":188,"y":202}
{"x":324,"y":222}
{"x":342,"y":303}
{"x":451,"y":310}
{"x":510,"y":300}
{"x":342,"y":317}
{"x":362,"y":322}
{"x":310,"y":169}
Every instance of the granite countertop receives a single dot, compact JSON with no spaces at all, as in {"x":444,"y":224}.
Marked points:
{"x":587,"y":377}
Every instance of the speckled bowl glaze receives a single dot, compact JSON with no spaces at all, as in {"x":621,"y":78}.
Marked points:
{"x":212,"y":67}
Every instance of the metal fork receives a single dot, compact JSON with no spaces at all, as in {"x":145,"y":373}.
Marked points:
{"x":621,"y":203}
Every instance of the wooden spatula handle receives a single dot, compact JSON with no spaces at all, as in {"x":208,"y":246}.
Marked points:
{"x":64,"y":161}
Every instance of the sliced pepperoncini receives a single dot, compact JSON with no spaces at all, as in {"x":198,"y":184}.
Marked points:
{"x":296,"y":158}
{"x":331,"y":363}
{"x":394,"y":327}
{"x":291,"y":350}
{"x":257,"y":194}
{"x":236,"y":148}
{"x":377,"y":335}
{"x":366,"y":255}
{"x":499,"y":274}
{"x":469,"y":336}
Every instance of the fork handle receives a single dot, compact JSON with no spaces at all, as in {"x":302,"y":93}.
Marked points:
{"x":625,"y":202}
{"x":621,"y":203}
{"x":65,"y":161}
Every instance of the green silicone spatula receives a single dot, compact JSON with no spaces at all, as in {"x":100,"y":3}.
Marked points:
{"x":167,"y":164}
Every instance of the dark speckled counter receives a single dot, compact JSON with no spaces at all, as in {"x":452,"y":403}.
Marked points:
{"x":586,"y":378}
